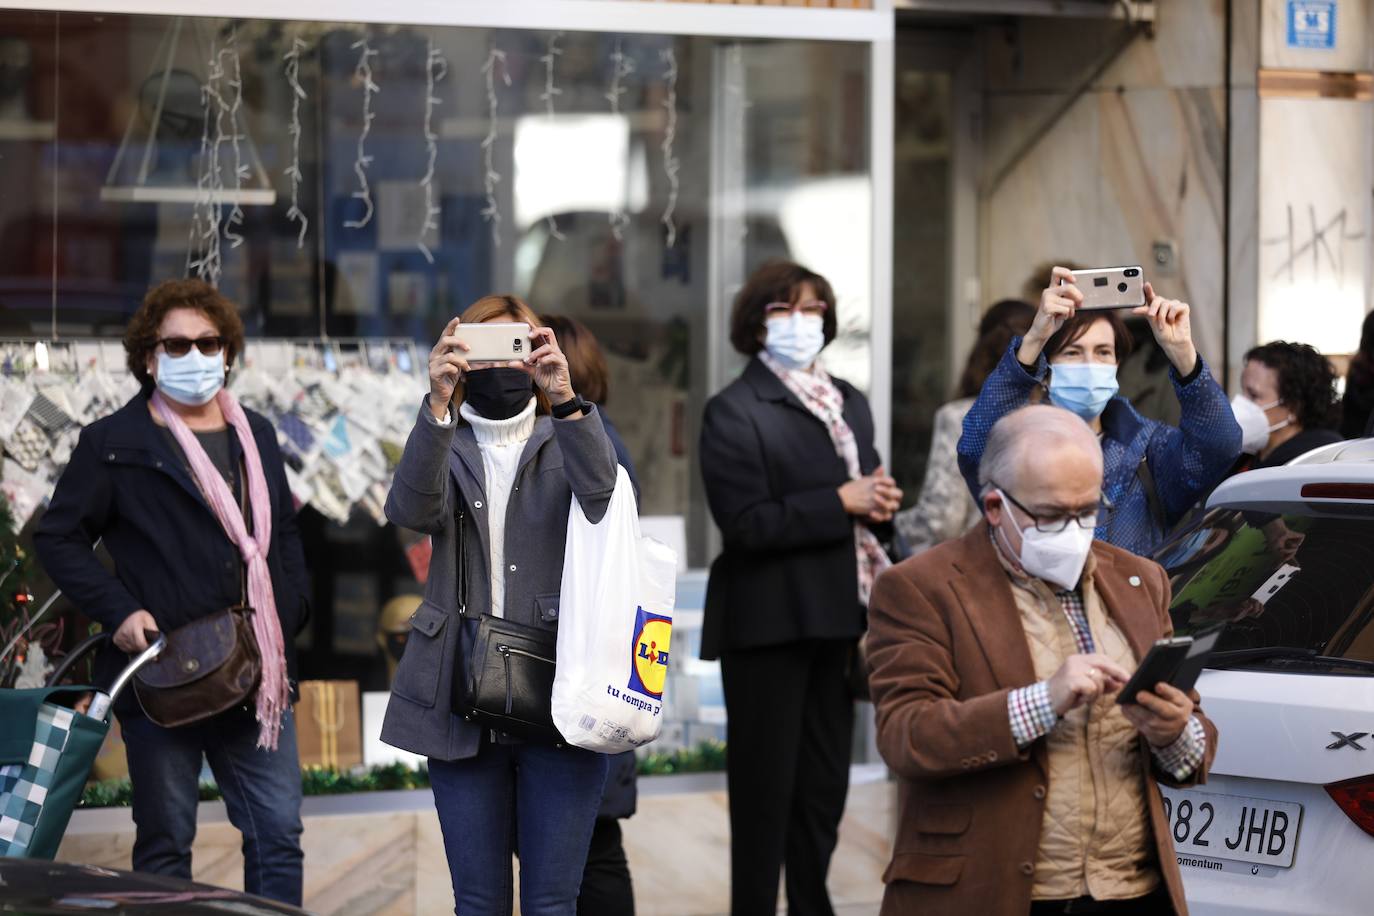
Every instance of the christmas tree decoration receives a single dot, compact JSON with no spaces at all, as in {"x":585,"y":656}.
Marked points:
{"x":492,"y":211}
{"x":293,"y":130}
{"x":363,"y":74}
{"x":436,"y":69}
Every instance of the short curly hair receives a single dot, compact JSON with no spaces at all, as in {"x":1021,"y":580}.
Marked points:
{"x":141,"y":336}
{"x":1307,"y":381}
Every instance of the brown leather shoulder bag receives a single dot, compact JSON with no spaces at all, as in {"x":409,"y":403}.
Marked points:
{"x":210,"y":665}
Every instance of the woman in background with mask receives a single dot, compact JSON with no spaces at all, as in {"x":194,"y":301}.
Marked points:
{"x":797,"y":488}
{"x":1288,"y":404}
{"x":1153,"y":473}
{"x":187,"y":491}
{"x":495,"y":459}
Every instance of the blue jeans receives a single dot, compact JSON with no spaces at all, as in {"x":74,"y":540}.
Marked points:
{"x":535,"y":799}
{"x":262,"y":794}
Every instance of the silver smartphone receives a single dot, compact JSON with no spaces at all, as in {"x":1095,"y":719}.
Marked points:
{"x":1111,"y":287}
{"x":494,"y":342}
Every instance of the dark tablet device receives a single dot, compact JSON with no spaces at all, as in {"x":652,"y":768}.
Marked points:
{"x":1177,"y":661}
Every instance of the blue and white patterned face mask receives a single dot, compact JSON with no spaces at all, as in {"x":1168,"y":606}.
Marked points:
{"x":1084,"y":388}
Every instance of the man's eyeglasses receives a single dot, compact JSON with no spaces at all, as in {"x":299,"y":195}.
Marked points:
{"x":806,"y":307}
{"x":1086,"y":520}
{"x":180,"y":346}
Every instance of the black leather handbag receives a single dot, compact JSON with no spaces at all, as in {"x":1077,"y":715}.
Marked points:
{"x":507,"y":683}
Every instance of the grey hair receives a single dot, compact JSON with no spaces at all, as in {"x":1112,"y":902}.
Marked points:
{"x":1022,"y":429}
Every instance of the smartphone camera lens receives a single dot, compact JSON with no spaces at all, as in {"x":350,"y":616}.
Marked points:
{"x":1121,"y":287}
{"x":1132,"y":272}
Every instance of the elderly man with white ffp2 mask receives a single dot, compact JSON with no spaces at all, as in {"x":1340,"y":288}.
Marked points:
{"x":996,"y":663}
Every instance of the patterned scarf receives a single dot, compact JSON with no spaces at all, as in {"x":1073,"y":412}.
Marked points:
{"x":273,"y":693}
{"x":818,"y":394}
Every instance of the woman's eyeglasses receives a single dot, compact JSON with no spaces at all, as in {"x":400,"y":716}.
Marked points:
{"x":806,"y":307}
{"x":180,"y":346}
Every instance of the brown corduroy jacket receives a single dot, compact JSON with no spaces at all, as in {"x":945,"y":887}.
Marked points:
{"x":946,"y":646}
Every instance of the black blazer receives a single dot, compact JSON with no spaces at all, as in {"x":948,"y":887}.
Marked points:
{"x":787,"y":571}
{"x":125,"y":484}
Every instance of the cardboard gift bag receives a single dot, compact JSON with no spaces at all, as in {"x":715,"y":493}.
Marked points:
{"x":329,"y":725}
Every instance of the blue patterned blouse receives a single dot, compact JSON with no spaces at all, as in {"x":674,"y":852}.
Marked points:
{"x":1186,"y":462}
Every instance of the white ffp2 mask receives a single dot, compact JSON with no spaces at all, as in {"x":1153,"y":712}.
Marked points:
{"x":1056,"y":557}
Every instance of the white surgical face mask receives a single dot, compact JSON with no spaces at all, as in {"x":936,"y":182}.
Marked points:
{"x":192,"y":379}
{"x":1059,"y":557}
{"x":794,"y":339}
{"x":1254,"y":425}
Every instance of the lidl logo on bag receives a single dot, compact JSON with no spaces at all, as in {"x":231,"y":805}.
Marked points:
{"x":650,"y":654}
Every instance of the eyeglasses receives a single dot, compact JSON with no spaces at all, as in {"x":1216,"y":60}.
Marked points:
{"x":806,"y":307}
{"x":180,"y":346}
{"x":1086,"y":520}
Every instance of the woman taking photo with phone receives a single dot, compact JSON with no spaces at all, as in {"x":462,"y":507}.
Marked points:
{"x":1153,"y":472}
{"x":497,"y":455}
{"x":797,"y":489}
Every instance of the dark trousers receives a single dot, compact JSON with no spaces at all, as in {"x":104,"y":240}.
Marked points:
{"x":606,"y":888}
{"x":262,"y":795}
{"x":1154,"y":904}
{"x":790,"y":721}
{"x":540,"y":798}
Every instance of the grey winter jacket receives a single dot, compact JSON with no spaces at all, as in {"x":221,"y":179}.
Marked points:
{"x":441,"y":472}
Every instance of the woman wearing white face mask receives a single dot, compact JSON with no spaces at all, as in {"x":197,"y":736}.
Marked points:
{"x":1287,"y":406}
{"x":187,"y":491}
{"x":1154,"y":472}
{"x":797,"y":489}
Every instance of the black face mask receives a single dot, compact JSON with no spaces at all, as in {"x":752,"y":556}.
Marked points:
{"x":498,"y":394}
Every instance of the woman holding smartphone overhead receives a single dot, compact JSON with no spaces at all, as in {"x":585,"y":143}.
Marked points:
{"x":497,"y":455}
{"x":1154,"y":473}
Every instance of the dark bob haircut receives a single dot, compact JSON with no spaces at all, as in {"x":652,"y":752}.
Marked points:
{"x":776,"y":281}
{"x":1307,"y":383}
{"x":141,"y":336}
{"x":1078,"y":325}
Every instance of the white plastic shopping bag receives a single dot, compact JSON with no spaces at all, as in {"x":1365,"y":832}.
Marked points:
{"x":615,"y":621}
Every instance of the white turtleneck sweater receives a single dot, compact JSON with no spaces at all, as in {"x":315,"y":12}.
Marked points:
{"x":502,"y":442}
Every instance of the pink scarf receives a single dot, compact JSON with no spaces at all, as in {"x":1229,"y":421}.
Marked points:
{"x":273,"y":693}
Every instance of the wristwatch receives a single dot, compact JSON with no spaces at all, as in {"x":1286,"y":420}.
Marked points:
{"x":570,"y":407}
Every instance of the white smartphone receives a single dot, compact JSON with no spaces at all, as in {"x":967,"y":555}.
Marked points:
{"x":494,"y":342}
{"x":1111,"y":287}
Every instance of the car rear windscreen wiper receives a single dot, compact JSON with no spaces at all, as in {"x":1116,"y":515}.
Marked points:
{"x":1235,"y":658}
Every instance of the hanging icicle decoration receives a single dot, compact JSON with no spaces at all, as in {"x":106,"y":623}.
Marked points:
{"x":293,"y":130}
{"x":492,"y":211}
{"x":621,"y":67}
{"x":436,"y":69}
{"x":549,"y":59}
{"x":208,"y":266}
{"x":235,"y":81}
{"x":670,"y":160}
{"x":202,"y":180}
{"x":734,"y":86}
{"x":363,"y":74}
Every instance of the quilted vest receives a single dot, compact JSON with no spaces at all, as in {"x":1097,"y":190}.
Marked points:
{"x":1095,"y":838}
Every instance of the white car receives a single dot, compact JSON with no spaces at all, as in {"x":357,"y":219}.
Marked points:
{"x":1284,"y":561}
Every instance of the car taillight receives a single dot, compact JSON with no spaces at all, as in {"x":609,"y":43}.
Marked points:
{"x":1362,"y":491}
{"x":1356,"y":798}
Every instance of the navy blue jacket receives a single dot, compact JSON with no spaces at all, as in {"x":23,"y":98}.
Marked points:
{"x":1186,"y":461}
{"x":127,"y":486}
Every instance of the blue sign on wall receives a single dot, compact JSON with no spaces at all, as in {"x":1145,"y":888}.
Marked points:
{"x":1312,"y":24}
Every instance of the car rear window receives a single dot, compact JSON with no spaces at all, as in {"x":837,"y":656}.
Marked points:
{"x":1276,"y":581}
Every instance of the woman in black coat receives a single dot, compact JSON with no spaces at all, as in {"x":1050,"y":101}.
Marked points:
{"x":795,"y":486}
